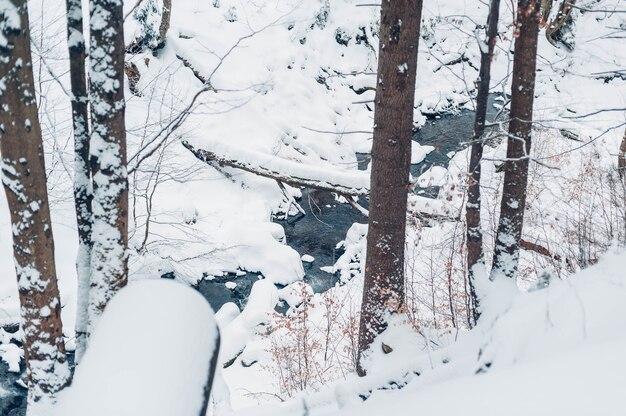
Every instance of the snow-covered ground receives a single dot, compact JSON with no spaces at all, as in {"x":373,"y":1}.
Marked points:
{"x":291,"y":85}
{"x":556,"y":350}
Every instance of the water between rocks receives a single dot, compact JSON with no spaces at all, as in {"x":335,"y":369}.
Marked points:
{"x":316,"y":234}
{"x":326,"y":221}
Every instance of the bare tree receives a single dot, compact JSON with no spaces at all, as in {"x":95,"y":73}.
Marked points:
{"x":475,"y":255}
{"x":507,"y":244}
{"x":621,"y":159}
{"x":109,"y":262}
{"x":24,"y":179}
{"x":383,"y":292}
{"x":82,"y":173}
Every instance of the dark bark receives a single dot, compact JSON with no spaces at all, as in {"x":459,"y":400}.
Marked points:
{"x":164,"y":27}
{"x":210,"y":376}
{"x":24,"y":179}
{"x":560,"y":31}
{"x":507,"y":245}
{"x":109,"y":265}
{"x":82,"y":173}
{"x":383,"y":292}
{"x":475,"y":255}
{"x":621,"y":159}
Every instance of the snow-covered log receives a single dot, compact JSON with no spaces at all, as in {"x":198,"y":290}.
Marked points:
{"x":287,"y":171}
{"x":153,"y":352}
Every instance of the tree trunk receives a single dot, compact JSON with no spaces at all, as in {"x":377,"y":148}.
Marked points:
{"x":82,"y":173}
{"x":165,"y":22}
{"x":621,"y":159}
{"x":383,"y":292}
{"x":109,"y":266}
{"x":507,"y":246}
{"x":24,"y":179}
{"x":560,"y":31}
{"x":475,"y":255}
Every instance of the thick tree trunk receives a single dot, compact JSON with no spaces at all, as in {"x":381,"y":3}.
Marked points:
{"x":475,"y":255}
{"x":109,"y":266}
{"x":24,"y":179}
{"x":383,"y":292}
{"x":507,"y":245}
{"x":82,"y":173}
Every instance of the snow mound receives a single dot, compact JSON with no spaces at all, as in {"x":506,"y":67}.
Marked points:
{"x":239,"y":329}
{"x":435,"y":176}
{"x":419,"y":152}
{"x":556,"y":350}
{"x":149,"y":355}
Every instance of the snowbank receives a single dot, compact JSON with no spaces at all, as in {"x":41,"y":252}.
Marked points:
{"x":149,"y":355}
{"x":555,"y":351}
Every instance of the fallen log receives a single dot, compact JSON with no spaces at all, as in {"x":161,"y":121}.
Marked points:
{"x":346,"y":184}
{"x":287,"y":171}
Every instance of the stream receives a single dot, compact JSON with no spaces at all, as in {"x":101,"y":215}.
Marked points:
{"x":316,"y":233}
{"x":327,"y":221}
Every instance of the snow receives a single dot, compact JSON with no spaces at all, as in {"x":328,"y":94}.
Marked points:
{"x":238,"y":329}
{"x":419,"y":153}
{"x":555,"y":351}
{"x":147,"y":360}
{"x":10,"y":22}
{"x":11,"y":354}
{"x":307,"y":258}
{"x":434,"y":176}
{"x":283,"y":94}
{"x":552,"y":351}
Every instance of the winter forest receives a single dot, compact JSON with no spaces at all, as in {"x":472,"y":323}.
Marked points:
{"x":312,"y":207}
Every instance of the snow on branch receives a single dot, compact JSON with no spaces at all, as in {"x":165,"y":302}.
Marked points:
{"x":355,"y":183}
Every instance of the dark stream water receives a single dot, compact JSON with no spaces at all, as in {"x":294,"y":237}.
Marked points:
{"x":316,"y":233}
{"x":326,"y":221}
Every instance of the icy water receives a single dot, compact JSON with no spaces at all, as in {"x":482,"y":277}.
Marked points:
{"x":317,"y":234}
{"x":326,"y":221}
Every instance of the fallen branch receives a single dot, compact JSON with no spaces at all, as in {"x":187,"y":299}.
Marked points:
{"x":539,"y":249}
{"x":287,"y":171}
{"x":195,"y":72}
{"x":356,"y":206}
{"x":346,"y":184}
{"x":290,"y":201}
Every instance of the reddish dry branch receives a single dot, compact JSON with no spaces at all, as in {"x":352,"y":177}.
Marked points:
{"x":539,"y":249}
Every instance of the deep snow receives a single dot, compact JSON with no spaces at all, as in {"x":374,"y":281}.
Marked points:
{"x":283,"y":87}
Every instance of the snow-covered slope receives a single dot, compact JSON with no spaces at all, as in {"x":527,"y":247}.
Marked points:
{"x":555,"y":351}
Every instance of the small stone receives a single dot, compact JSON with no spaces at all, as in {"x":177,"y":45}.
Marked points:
{"x":308,"y":258}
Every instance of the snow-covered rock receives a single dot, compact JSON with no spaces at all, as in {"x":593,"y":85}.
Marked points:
{"x":149,"y":355}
